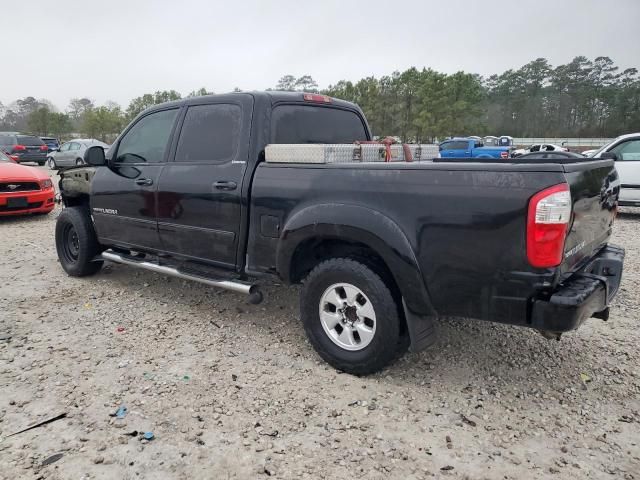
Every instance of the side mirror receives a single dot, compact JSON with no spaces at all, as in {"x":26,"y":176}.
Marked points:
{"x":609,"y":156}
{"x":94,"y":156}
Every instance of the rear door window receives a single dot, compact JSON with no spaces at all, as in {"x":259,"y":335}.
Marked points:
{"x":314,"y":124}
{"x":210,"y":133}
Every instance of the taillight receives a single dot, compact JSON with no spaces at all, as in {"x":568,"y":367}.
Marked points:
{"x":504,"y":154}
{"x":547,"y":225}
{"x":19,"y":148}
{"x":15,"y":158}
{"x":44,"y":148}
{"x":316,"y":97}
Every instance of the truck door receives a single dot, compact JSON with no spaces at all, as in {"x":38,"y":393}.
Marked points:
{"x":461,"y":149}
{"x":199,"y":192}
{"x":123,"y":196}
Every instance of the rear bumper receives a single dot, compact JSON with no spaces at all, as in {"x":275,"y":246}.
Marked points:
{"x":32,"y":157}
{"x":41,"y":201}
{"x":584,"y":294}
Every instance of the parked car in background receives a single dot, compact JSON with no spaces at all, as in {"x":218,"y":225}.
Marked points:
{"x":625,"y":150}
{"x":71,"y":154}
{"x":27,"y":148}
{"x":24,"y":189}
{"x":51,"y":142}
{"x":470,"y":148}
{"x":490,"y":141}
{"x":540,"y":147}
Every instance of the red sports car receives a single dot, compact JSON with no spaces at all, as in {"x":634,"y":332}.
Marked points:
{"x":24,"y":189}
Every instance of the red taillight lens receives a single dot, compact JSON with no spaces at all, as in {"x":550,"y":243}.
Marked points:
{"x":504,"y":154}
{"x":15,"y":158}
{"x":547,"y":224}
{"x":44,"y":148}
{"x":19,"y":148}
{"x":316,"y":97}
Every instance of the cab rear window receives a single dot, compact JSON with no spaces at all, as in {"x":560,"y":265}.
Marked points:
{"x":313,"y":124}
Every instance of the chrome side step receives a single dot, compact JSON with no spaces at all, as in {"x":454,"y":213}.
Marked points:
{"x":251,"y":290}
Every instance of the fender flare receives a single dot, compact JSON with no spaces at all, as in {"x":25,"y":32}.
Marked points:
{"x":364,"y":225}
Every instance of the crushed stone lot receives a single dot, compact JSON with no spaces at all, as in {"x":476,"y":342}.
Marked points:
{"x":231,"y":390}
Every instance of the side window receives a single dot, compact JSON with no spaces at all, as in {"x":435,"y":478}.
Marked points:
{"x":147,"y":140}
{"x":315,"y":124}
{"x":210,"y":133}
{"x":65,"y":147}
{"x":459,"y":145}
{"x":74,"y":146}
{"x":628,"y":151}
{"x":535,"y":148}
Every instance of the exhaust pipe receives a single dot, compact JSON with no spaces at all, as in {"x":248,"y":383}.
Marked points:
{"x":251,"y":290}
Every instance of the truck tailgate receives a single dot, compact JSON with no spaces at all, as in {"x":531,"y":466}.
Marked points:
{"x":594,"y":188}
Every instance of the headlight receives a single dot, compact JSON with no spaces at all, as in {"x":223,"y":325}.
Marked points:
{"x":46,"y":184}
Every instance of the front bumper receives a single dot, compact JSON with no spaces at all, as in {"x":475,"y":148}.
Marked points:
{"x":582,"y":295}
{"x":40,"y":201}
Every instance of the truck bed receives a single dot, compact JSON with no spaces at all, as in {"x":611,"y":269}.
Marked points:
{"x":466,"y":222}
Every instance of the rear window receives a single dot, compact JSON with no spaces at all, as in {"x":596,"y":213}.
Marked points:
{"x":210,"y":133}
{"x":29,"y":140}
{"x":312,"y":124}
{"x":7,"y":140}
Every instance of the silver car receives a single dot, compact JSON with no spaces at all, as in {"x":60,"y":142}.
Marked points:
{"x":71,"y":153}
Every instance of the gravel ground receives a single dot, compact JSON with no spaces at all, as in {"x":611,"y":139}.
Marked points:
{"x":232,"y":390}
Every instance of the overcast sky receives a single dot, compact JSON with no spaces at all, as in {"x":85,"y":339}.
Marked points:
{"x":117,"y":50}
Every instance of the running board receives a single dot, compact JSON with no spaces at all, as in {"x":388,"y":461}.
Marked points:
{"x":252,"y":291}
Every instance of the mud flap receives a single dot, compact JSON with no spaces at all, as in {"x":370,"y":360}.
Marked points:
{"x":422,"y":329}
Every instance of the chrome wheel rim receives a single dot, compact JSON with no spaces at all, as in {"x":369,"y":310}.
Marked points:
{"x":347,"y":316}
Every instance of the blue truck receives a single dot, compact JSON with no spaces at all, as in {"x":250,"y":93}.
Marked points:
{"x":471,"y":148}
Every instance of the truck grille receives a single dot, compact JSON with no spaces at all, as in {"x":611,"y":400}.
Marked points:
{"x":6,"y":187}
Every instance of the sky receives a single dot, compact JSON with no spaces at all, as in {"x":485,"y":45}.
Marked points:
{"x":117,"y":50}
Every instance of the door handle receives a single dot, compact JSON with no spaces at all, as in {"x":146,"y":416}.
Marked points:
{"x":144,"y":182}
{"x":224,"y":185}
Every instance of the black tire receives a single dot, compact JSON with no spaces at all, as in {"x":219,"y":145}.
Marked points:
{"x":383,"y":347}
{"x":76,"y":242}
{"x":79,"y":162}
{"x":42,"y":163}
{"x":51,"y":163}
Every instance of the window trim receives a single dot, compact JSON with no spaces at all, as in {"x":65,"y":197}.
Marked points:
{"x":177,"y":119}
{"x":178,"y":134}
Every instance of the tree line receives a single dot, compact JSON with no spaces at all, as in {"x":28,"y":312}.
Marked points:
{"x":588,"y":98}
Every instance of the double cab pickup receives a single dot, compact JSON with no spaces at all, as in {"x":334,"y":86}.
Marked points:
{"x":381,"y":249}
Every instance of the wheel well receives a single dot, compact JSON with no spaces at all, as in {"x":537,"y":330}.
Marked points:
{"x":77,"y":201}
{"x":314,"y":251}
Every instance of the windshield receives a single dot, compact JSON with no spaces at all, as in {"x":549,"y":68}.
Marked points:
{"x":4,"y":157}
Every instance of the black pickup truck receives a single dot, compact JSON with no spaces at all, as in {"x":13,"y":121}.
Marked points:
{"x":380,"y":248}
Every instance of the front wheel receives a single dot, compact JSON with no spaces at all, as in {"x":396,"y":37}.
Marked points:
{"x":51,"y":163}
{"x":76,"y":243}
{"x":350,"y":316}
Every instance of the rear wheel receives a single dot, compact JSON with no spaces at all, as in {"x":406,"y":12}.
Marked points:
{"x":79,"y":161}
{"x":76,"y":243}
{"x":350,"y":316}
